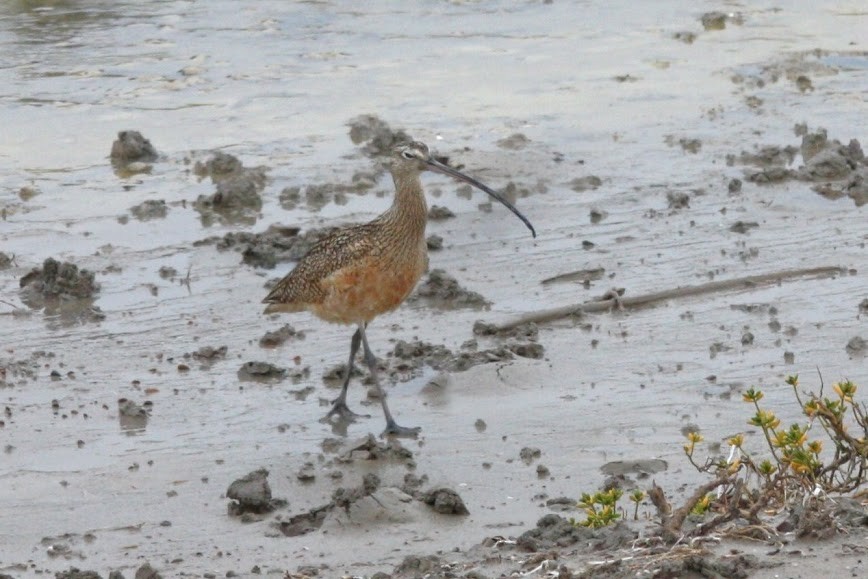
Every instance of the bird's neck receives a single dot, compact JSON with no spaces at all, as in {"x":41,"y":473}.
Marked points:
{"x":409,"y":209}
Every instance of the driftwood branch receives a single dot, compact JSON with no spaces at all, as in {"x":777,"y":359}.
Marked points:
{"x":612,"y":301}
{"x":672,"y":520}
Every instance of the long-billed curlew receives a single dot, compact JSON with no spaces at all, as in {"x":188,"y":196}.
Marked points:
{"x":362,"y":271}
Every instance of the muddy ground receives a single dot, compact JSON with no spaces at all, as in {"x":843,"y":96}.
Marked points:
{"x":167,"y":163}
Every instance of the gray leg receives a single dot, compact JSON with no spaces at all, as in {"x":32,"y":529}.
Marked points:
{"x":392,"y":427}
{"x":339,"y":404}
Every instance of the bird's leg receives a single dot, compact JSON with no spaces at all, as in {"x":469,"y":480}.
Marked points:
{"x":392,"y":427}
{"x":339,"y":404}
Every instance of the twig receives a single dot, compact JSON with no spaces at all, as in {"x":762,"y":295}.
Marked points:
{"x":731,"y":513}
{"x":671,"y":523}
{"x":596,"y":306}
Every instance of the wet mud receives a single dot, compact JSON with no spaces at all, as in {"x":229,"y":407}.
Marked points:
{"x":237,"y":197}
{"x":837,"y":170}
{"x":277,"y":244}
{"x":155,"y":424}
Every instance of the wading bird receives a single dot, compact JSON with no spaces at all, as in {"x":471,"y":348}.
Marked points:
{"x":357,"y":273}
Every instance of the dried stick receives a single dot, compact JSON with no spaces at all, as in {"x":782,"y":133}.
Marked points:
{"x":672,"y":522}
{"x":603,"y":305}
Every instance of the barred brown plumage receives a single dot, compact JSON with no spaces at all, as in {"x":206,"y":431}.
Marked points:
{"x":362,"y":271}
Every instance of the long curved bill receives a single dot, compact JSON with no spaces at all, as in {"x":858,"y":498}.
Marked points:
{"x":439,"y":167}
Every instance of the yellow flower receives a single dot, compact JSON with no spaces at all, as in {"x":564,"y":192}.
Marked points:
{"x":845,"y":390}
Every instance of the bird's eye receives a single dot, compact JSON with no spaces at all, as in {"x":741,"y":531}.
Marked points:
{"x":407,"y":154}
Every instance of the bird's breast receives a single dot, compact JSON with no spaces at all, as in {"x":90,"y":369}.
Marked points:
{"x":362,"y":291}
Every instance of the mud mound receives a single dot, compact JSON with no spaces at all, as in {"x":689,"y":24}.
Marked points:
{"x":237,"y":198}
{"x":59,"y":280}
{"x":318,"y":196}
{"x":273,"y":339}
{"x":143,"y":572}
{"x":442,"y":290}
{"x":375,"y":135}
{"x":837,"y":170}
{"x":219,"y":166}
{"x":277,"y":244}
{"x":132,"y":146}
{"x":252,"y":494}
{"x":555,"y":531}
{"x":64,"y":290}
{"x":409,"y":358}
{"x":445,"y":501}
{"x":150,"y":209}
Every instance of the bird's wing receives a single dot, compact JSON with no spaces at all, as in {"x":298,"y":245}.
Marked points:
{"x":330,"y":254}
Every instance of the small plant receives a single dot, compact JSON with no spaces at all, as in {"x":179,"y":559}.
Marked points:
{"x":600,"y":508}
{"x":702,"y":505}
{"x":826,"y":454}
{"x":799,"y":460}
{"x":637,"y":496}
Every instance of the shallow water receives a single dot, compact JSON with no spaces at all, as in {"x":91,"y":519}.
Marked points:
{"x":275,"y":83}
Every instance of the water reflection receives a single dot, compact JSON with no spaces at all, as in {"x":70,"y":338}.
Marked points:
{"x":53,"y":21}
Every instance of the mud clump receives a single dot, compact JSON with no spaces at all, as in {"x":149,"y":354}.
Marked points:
{"x":251,"y":494}
{"x":737,"y":566}
{"x":434,"y":242}
{"x":75,"y":573}
{"x":529,"y":454}
{"x":814,"y":520}
{"x":5,"y":261}
{"x":857,"y":346}
{"x":743,"y":226}
{"x":438,"y":213}
{"x":150,"y":209}
{"x":528,"y":331}
{"x":445,"y":501}
{"x":237,"y":198}
{"x":261,"y":372}
{"x":304,"y":523}
{"x":589,"y":183}
{"x":377,"y":136}
{"x":277,"y":337}
{"x":133,"y":416}
{"x":369,"y":448}
{"x":514,"y":142}
{"x":767,"y":156}
{"x":59,"y":280}
{"x":143,"y":572}
{"x":318,"y":196}
{"x":677,"y":200}
{"x":219,"y":166}
{"x":277,"y":244}
{"x":344,"y":497}
{"x":432,"y":354}
{"x":414,"y":566}
{"x":237,"y":192}
{"x":714,"y":20}
{"x":207,"y":356}
{"x":208,"y":353}
{"x":411,"y":357}
{"x":837,"y":170}
{"x":132,"y":146}
{"x":443,"y":290}
{"x":555,"y":531}
{"x":61,"y":288}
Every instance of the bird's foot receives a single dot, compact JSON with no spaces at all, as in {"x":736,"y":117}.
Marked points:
{"x":394,"y":429}
{"x":343,"y":412}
